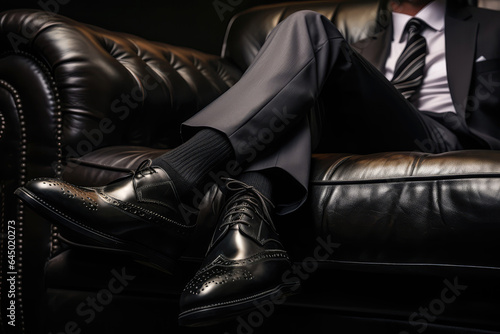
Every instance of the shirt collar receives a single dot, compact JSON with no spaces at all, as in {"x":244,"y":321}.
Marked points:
{"x":432,"y":14}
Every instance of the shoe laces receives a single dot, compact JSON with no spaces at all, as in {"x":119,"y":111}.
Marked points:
{"x":244,"y":202}
{"x":143,"y":167}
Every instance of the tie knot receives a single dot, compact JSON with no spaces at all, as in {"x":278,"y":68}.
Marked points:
{"x":414,"y":26}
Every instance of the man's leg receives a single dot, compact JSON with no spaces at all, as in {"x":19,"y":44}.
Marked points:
{"x":303,"y":59}
{"x":292,"y":65}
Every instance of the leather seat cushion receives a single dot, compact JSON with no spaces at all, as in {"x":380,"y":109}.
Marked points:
{"x":410,"y":208}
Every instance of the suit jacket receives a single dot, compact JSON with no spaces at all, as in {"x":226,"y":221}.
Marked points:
{"x":473,"y":65}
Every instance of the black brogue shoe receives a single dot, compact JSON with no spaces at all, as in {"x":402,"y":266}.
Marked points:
{"x":139,"y":214}
{"x":244,"y":265}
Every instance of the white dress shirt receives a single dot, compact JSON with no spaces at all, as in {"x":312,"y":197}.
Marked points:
{"x":434,"y":95}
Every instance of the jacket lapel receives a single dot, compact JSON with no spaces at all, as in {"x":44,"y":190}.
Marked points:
{"x":460,"y":34}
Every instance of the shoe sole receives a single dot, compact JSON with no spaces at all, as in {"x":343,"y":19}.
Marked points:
{"x":97,"y":240}
{"x":222,"y":312}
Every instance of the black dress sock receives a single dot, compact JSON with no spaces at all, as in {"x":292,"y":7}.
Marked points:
{"x":260,"y":181}
{"x":188,"y":165}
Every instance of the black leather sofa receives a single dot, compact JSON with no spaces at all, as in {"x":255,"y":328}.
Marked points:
{"x":393,"y":242}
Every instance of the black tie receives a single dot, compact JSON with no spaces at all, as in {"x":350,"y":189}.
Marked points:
{"x":409,"y":71}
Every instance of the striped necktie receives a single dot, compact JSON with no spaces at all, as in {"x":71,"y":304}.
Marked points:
{"x":409,"y":70}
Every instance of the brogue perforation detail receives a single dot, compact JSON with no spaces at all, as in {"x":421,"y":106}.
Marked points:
{"x":216,"y":276}
{"x":71,"y":192}
{"x":262,"y":256}
{"x":73,"y":220}
{"x":222,"y":270}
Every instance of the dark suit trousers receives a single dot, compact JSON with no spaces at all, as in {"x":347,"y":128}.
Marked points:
{"x":306,"y":62}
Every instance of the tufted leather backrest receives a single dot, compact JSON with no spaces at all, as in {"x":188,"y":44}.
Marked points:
{"x":113,"y":88}
{"x":248,"y":30}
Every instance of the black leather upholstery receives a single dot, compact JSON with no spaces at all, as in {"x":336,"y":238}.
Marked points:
{"x":88,"y":104}
{"x":410,"y":208}
{"x":140,"y":86}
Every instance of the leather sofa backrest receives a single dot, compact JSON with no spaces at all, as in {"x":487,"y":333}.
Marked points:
{"x":248,"y":30}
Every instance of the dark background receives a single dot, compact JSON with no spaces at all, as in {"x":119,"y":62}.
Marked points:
{"x":191,"y":23}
